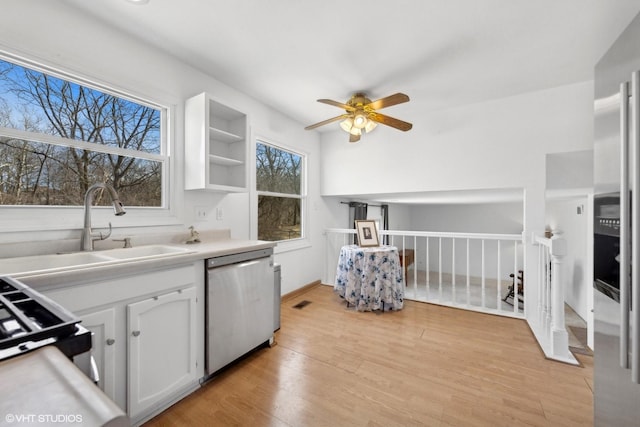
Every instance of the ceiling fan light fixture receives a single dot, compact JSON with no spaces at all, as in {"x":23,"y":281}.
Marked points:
{"x":360,"y":120}
{"x":347,"y":124}
{"x":355,"y":131}
{"x":371,"y":125}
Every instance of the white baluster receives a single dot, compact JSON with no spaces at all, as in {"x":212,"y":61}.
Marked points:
{"x":515,"y":279}
{"x":468,"y":276}
{"x":415,"y":264}
{"x":548,"y":286}
{"x":427,"y":267}
{"x":453,"y":270}
{"x":440,"y":268}
{"x":483,"y":277}
{"x":560,"y":338}
{"x":539,"y":309}
{"x":498,"y":282}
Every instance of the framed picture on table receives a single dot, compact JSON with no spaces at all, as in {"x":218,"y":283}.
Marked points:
{"x":367,"y":233}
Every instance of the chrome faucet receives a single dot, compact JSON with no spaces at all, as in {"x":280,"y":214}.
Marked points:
{"x":88,"y":236}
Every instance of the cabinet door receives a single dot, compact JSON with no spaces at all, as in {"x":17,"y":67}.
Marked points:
{"x":162,"y":347}
{"x":102,"y":325}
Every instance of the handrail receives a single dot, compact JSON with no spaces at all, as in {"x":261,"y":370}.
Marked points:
{"x":451,"y":235}
{"x":545,"y":241}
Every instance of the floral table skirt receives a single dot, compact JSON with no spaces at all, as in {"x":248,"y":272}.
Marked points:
{"x":370,"y":278}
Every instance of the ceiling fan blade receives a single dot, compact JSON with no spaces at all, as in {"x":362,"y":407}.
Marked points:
{"x":388,"y":101}
{"x":337,"y":104}
{"x":354,"y":138}
{"x":390,"y":121}
{"x":325,"y":122}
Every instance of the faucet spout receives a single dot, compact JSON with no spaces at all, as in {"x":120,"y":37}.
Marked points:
{"x":88,"y":236}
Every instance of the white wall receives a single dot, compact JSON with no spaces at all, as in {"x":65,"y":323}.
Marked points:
{"x":61,"y":37}
{"x":572,"y":171}
{"x":495,"y":144}
{"x":502,"y":218}
{"x":399,"y":214}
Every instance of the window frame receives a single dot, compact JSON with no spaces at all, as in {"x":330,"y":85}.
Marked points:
{"x":289,"y":244}
{"x":30,"y":217}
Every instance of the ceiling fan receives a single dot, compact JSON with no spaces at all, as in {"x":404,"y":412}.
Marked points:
{"x":361,"y":114}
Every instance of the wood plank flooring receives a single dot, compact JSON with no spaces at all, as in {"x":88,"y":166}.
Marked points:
{"x":425,"y":365}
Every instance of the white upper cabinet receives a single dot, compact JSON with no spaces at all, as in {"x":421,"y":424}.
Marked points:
{"x":216,"y":146}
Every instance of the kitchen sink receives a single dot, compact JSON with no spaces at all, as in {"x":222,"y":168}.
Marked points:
{"x":37,"y":263}
{"x":72,"y":261}
{"x":145,"y":252}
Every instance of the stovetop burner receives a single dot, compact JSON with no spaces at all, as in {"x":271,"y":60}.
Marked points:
{"x":29,"y":320}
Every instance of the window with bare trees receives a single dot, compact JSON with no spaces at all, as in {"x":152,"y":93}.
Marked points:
{"x":281,"y":195}
{"x":58,"y":137}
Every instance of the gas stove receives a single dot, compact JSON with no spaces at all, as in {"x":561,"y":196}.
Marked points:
{"x":30,"y":320}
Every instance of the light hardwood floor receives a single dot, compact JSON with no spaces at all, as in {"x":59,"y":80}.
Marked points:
{"x":425,"y":365}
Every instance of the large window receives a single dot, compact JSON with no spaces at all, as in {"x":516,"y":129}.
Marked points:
{"x":280,"y":187}
{"x":58,"y":137}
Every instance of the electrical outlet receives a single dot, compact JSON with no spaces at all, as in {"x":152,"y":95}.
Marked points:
{"x":219,"y":214}
{"x":201,"y":213}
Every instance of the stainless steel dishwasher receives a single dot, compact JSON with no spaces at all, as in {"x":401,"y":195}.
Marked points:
{"x":239,"y":312}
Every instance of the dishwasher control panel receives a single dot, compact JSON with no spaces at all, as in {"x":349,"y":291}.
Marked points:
{"x":238,"y":257}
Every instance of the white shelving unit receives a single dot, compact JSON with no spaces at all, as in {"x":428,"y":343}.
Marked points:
{"x":216,"y":138}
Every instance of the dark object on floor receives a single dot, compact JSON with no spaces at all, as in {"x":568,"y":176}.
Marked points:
{"x":511,"y":290}
{"x":302,"y":304}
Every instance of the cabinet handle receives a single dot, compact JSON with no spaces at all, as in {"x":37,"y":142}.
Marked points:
{"x":135,"y":333}
{"x":111,"y":341}
{"x":625,"y":229}
{"x":635,"y":231}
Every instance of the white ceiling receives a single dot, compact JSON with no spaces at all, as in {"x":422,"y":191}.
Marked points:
{"x":288,"y":53}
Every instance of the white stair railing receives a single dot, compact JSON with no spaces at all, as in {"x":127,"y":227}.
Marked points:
{"x":471,"y":270}
{"x":549,"y":327}
{"x":462,"y":270}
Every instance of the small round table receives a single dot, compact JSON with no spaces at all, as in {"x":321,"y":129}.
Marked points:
{"x":370,"y":278}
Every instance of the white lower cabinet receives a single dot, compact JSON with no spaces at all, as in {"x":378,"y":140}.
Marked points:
{"x":162,"y":348}
{"x":148,"y":334}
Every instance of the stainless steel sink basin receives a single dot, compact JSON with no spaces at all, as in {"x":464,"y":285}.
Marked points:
{"x":145,"y":252}
{"x":76,"y":260}
{"x":36,"y":263}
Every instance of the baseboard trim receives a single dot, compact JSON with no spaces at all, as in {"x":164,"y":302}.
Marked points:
{"x":300,"y":291}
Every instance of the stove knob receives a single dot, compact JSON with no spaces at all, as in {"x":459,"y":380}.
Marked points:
{"x":135,"y":333}
{"x":111,"y":341}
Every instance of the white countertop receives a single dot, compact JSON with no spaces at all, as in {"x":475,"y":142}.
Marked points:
{"x":71,"y":398}
{"x":212,"y":245}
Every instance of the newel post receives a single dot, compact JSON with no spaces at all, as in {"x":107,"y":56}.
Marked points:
{"x":559,"y":336}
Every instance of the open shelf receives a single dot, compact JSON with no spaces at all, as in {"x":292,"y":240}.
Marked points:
{"x":224,"y":136}
{"x":219,"y":133}
{"x":224,"y":161}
